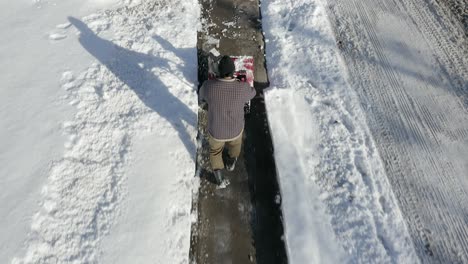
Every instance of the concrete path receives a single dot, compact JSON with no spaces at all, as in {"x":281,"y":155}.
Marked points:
{"x":240,"y":223}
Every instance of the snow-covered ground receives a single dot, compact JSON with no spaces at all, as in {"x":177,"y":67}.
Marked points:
{"x":407,"y":61}
{"x":338,"y":205}
{"x":98,"y":125}
{"x":32,"y":109}
{"x":99,"y":110}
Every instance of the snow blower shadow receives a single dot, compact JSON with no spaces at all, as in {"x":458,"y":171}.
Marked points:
{"x":136,"y":71}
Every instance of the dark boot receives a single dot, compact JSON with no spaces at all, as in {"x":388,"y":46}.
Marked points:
{"x":218,"y":176}
{"x":230,"y":163}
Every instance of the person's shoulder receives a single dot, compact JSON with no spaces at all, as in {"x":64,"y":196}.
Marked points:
{"x":245,"y":84}
{"x":209,"y":82}
{"x":240,"y":83}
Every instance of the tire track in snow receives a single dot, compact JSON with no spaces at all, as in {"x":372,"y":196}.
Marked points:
{"x":350,"y":174}
{"x":360,"y":9}
{"x":429,"y":151}
{"x":448,"y":49}
{"x":426,"y":207}
{"x":372,"y":37}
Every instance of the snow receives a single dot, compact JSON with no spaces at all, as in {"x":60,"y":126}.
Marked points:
{"x":407,"y":62}
{"x":309,"y":235}
{"x":98,"y":121}
{"x":106,"y":139}
{"x":32,"y":109}
{"x":337,"y":203}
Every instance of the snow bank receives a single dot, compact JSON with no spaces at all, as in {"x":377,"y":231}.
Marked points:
{"x":310,"y":238}
{"x":336,"y":197}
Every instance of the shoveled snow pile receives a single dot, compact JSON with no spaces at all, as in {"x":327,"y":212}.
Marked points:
{"x":128,"y":160}
{"x":337,"y":203}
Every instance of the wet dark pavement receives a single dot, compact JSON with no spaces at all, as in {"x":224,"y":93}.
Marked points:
{"x":242,"y":222}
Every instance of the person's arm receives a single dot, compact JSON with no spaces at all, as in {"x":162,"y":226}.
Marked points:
{"x":201,"y":94}
{"x":250,"y":92}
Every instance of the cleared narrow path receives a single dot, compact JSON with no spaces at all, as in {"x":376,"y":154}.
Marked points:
{"x":241,"y":223}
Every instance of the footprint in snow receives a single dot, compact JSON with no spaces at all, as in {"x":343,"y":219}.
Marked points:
{"x":63,"y":26}
{"x":67,"y":76}
{"x":57,"y":36}
{"x":60,"y":36}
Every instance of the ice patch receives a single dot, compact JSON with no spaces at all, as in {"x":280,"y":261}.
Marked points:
{"x":212,"y":41}
{"x":229,"y":24}
{"x":223,"y":184}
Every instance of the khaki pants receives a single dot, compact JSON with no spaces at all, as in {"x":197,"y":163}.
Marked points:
{"x":217,"y":147}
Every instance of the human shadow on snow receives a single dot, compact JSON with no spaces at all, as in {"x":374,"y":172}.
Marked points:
{"x":135,"y":70}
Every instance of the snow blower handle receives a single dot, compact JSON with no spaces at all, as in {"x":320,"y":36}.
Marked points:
{"x":241,"y":77}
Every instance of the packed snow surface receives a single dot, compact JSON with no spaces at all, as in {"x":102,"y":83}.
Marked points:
{"x":123,"y":88}
{"x":33,"y":56}
{"x":407,"y":60}
{"x":337,"y":203}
